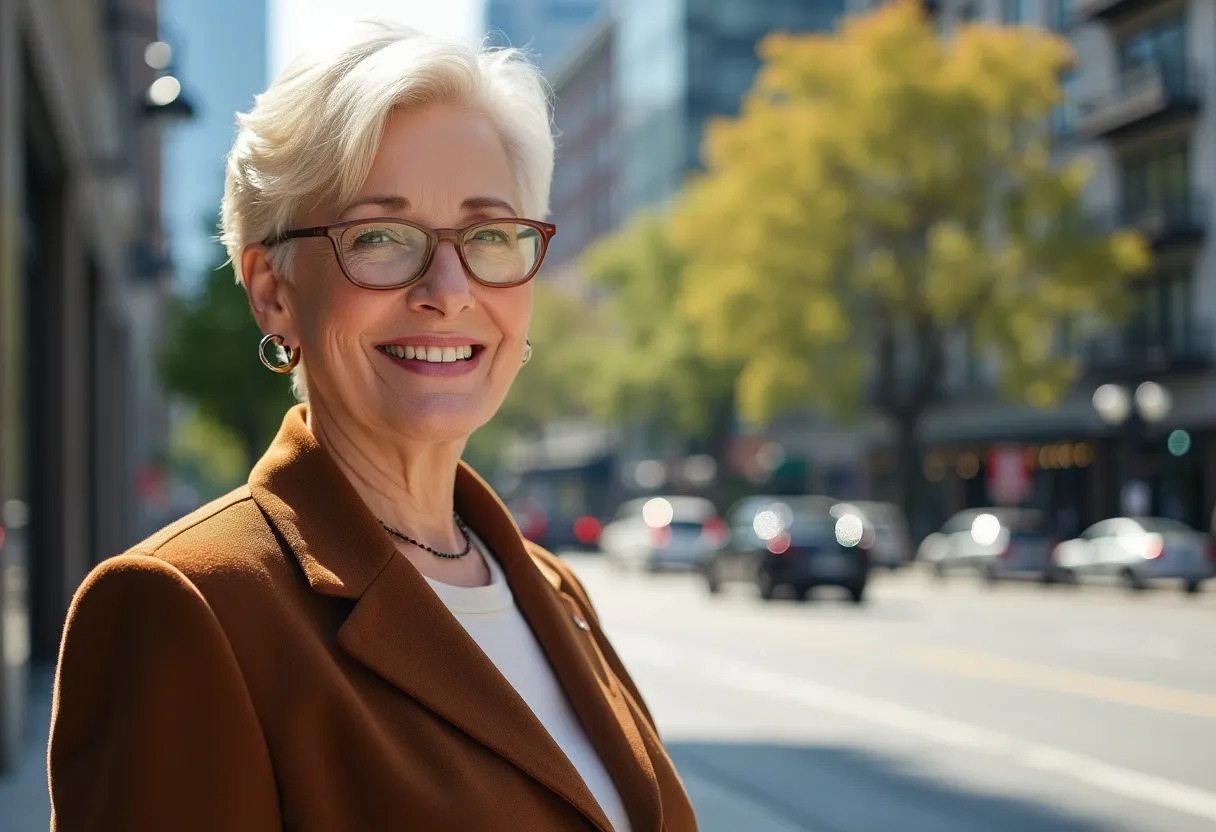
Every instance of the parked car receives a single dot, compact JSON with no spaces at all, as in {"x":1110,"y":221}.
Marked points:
{"x":799,"y":542}
{"x":997,"y":543}
{"x":1139,"y":551}
{"x":892,"y":541}
{"x":655,"y":533}
{"x":555,"y":532}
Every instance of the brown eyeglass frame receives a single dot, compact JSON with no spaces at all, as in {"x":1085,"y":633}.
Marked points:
{"x":434,"y":237}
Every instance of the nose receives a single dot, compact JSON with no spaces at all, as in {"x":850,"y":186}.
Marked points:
{"x":444,"y":287}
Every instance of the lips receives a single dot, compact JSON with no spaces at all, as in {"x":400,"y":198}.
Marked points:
{"x":432,"y":349}
{"x":434,"y":360}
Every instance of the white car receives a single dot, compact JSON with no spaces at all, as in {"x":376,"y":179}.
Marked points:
{"x":1139,"y":551}
{"x":995,"y":542}
{"x":892,"y":541}
{"x":654,"y":533}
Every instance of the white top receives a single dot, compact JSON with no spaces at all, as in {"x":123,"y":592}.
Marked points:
{"x":490,"y":616}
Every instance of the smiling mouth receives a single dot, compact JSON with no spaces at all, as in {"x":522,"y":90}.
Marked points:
{"x":431,"y":355}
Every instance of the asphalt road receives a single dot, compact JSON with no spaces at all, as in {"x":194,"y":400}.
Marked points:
{"x":949,"y":708}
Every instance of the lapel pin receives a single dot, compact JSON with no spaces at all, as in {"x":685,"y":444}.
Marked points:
{"x":579,"y":622}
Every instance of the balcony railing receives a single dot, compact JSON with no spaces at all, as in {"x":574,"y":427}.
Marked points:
{"x":1132,"y":353}
{"x":1183,"y":219}
{"x":1109,"y":10}
{"x":1143,"y":95}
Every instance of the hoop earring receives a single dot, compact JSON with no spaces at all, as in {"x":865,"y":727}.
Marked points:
{"x":293,"y":354}
{"x":527,"y":350}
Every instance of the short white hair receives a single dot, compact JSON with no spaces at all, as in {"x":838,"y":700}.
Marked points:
{"x":314,"y":133}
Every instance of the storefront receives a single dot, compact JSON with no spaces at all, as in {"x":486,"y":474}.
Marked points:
{"x":1075,"y":480}
{"x":68,"y":384}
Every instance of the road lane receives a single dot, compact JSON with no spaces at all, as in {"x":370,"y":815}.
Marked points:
{"x":932,"y":708}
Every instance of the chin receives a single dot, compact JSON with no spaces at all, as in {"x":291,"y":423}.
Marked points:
{"x":435,"y":421}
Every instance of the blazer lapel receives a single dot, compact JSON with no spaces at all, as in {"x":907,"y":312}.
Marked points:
{"x":399,"y":628}
{"x":554,"y":618}
{"x":402,"y":631}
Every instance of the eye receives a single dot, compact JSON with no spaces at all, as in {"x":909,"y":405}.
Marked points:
{"x":491,"y":235}
{"x":375,"y":236}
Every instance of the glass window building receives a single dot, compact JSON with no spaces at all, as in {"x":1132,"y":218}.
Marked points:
{"x":679,"y":63}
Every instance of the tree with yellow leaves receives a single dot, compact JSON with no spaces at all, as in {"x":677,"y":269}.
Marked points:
{"x":651,"y":371}
{"x":881,"y":190}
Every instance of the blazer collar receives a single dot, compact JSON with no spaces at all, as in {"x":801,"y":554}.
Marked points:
{"x":401,"y":630}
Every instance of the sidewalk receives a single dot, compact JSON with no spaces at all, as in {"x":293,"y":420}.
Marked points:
{"x":24,"y":803}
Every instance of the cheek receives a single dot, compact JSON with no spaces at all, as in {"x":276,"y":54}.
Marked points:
{"x":510,"y":309}
{"x":332,"y":311}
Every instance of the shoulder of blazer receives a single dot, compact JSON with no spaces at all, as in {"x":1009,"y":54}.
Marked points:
{"x":227,"y":537}
{"x":204,"y":514}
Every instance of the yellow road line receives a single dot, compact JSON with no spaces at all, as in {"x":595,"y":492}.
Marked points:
{"x":1060,"y":680}
{"x":992,"y":668}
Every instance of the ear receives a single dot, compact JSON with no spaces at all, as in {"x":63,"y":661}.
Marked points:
{"x":267,"y":295}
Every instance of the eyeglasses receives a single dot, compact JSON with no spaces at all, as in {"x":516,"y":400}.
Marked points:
{"x":387,"y":253}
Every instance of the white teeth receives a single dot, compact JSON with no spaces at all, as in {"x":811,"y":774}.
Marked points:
{"x":434,"y":355}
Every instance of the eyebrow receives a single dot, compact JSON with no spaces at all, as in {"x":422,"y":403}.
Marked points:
{"x":480,"y":203}
{"x":399,"y":204}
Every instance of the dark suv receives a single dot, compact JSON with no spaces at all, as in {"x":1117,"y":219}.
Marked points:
{"x":799,"y":542}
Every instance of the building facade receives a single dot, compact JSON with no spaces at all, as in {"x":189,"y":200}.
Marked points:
{"x":679,"y":63}
{"x":1141,"y":106}
{"x":632,"y":95}
{"x":634,"y":90}
{"x":83,"y":280}
{"x":585,"y":182}
{"x":546,"y":28}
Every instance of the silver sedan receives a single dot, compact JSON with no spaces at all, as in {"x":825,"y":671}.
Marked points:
{"x":1139,"y":551}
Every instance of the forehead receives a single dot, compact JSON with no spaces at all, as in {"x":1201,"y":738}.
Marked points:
{"x":438,"y":156}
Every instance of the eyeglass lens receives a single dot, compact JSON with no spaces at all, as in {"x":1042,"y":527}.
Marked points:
{"x":383,"y":254}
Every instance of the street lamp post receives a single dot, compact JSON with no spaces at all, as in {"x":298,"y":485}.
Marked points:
{"x":1116,"y":406}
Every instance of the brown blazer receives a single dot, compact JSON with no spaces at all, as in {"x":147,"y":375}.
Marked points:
{"x":272,"y":662}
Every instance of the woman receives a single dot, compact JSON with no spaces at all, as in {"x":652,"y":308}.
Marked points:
{"x":360,"y":639}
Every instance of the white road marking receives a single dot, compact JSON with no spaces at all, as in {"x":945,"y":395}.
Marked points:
{"x":754,"y":679}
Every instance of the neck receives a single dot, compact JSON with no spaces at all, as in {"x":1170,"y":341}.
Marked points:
{"x":405,"y":483}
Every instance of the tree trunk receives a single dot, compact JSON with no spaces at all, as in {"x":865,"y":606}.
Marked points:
{"x":909,"y":473}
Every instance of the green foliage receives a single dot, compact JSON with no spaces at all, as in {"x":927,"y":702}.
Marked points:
{"x":210,"y":359}
{"x":881,"y":190}
{"x":652,"y":368}
{"x":567,"y":337}
{"x":207,"y":455}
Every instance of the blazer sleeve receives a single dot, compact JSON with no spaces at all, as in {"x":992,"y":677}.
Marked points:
{"x":152,"y":727}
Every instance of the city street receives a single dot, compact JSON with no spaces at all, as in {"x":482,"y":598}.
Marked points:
{"x":935,"y":708}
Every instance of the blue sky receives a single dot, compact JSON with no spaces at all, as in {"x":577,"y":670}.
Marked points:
{"x":220,"y":57}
